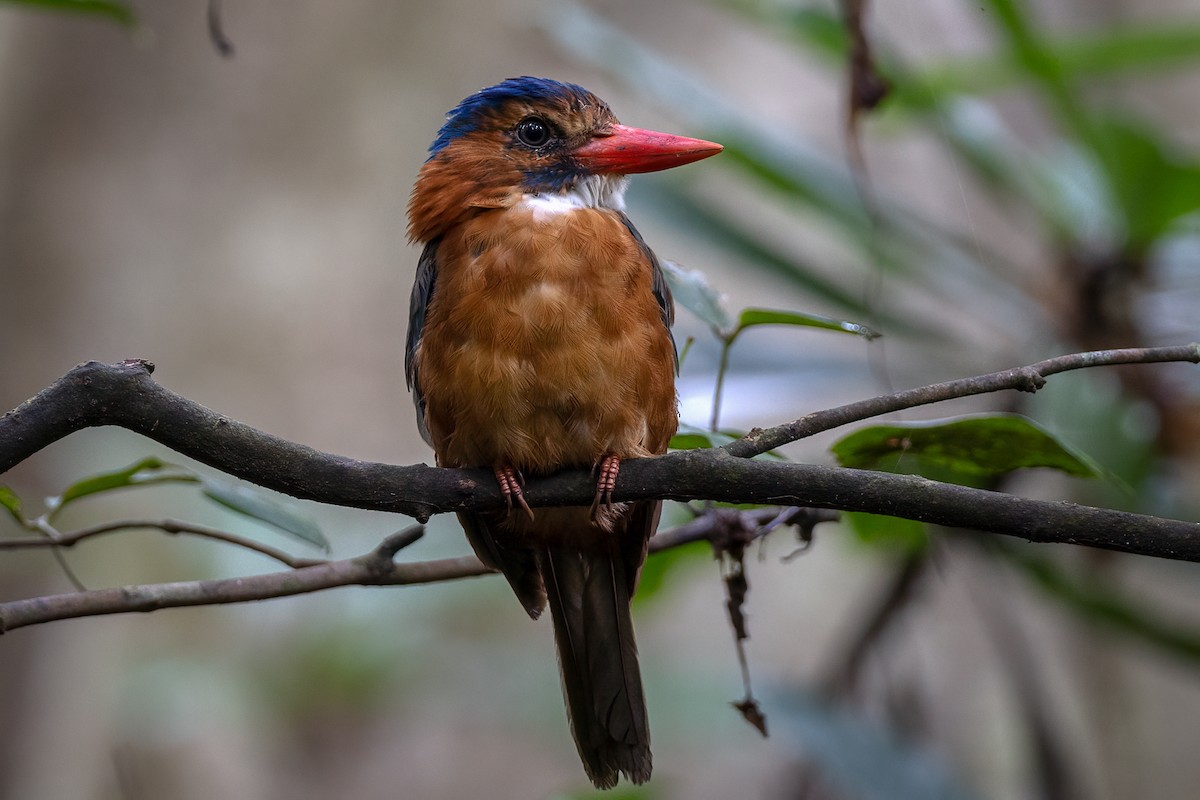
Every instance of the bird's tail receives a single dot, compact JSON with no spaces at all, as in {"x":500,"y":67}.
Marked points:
{"x":589,"y":596}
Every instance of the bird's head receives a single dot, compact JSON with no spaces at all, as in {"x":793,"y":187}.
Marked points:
{"x":534,"y":136}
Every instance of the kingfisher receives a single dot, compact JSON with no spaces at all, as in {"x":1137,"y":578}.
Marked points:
{"x":539,"y":339}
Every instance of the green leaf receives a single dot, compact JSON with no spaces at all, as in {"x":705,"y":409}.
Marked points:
{"x":1099,"y":603}
{"x":660,"y":565}
{"x":962,"y":450}
{"x":1090,"y":54}
{"x":149,"y":470}
{"x":719,"y":230}
{"x":888,"y":533}
{"x":766,"y":316}
{"x":118,"y":12}
{"x":1031,"y":52}
{"x":258,"y":505}
{"x":12,"y":503}
{"x":689,"y":437}
{"x":1152,"y":185}
{"x":819,"y":28}
{"x":692,"y":290}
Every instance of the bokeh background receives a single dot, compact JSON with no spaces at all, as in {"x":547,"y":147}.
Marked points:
{"x":240,"y":222}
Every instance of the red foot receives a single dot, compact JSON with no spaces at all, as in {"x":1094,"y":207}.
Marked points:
{"x":610,"y":466}
{"x":510,"y":486}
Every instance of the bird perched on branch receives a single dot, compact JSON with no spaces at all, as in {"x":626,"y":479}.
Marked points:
{"x":539,"y":339}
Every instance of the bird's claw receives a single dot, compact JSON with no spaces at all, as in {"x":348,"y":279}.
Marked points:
{"x":606,"y":484}
{"x":511,"y":481}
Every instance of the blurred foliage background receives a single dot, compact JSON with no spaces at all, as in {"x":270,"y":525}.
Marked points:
{"x":1031,"y":188}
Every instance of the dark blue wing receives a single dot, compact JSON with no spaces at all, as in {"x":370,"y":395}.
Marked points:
{"x":422,"y":293}
{"x":658,"y":284}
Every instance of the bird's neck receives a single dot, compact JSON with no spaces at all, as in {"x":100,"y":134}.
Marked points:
{"x":444,"y":197}
{"x":593,"y":191}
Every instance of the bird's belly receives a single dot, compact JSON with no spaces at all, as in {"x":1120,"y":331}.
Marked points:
{"x":554,"y":389}
{"x":548,"y":361}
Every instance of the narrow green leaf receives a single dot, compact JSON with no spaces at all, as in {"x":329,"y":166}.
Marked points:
{"x":962,"y":450}
{"x":716,"y":228}
{"x":12,"y":503}
{"x":1036,"y":56}
{"x":119,"y":12}
{"x":1101,"y":604}
{"x":766,"y":316}
{"x":1091,"y":54}
{"x":149,"y":470}
{"x":258,"y":505}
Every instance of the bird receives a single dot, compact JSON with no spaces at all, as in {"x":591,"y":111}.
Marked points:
{"x":539,"y":339}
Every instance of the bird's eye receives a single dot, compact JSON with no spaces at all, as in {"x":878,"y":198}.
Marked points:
{"x":533,"y":132}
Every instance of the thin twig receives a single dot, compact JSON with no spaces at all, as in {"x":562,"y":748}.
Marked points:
{"x":375,"y":568}
{"x":841,"y":677}
{"x":65,"y":540}
{"x":1026,"y":379}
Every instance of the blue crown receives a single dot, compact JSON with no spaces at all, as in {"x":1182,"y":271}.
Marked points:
{"x":467,"y":115}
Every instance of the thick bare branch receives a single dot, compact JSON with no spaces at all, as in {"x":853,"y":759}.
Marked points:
{"x":97,"y":394}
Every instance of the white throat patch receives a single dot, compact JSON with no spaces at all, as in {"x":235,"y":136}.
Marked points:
{"x":594,"y":191}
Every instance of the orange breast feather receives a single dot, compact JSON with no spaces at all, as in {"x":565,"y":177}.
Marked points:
{"x":544,"y":345}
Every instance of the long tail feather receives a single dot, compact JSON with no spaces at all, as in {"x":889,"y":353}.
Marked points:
{"x":597,"y":655}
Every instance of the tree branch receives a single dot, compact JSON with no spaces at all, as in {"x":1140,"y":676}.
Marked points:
{"x":376,"y":568}
{"x":1023,"y":379}
{"x":124,"y":394}
{"x":171,"y":526}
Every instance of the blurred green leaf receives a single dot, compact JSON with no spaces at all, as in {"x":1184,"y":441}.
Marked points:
{"x":148,"y":471}
{"x":817,"y":28}
{"x":718,"y":229}
{"x":1040,"y":61}
{"x":766,"y":316}
{"x":820,"y":28}
{"x":1152,"y":185}
{"x":857,"y":756}
{"x":258,"y":505}
{"x":692,"y":290}
{"x":1100,"y":603}
{"x":120,"y":12}
{"x":966,"y":448}
{"x":888,"y":533}
{"x":1116,"y":430}
{"x":1079,"y":55}
{"x":658,"y":567}
{"x":12,"y":503}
